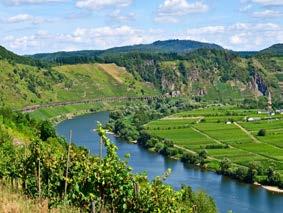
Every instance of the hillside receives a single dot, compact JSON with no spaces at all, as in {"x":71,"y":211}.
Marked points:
{"x":276,"y":49}
{"x":206,"y":74}
{"x":14,"y":58}
{"x":204,"y":71}
{"x":176,"y":46}
{"x":209,"y":74}
{"x":25,"y":85}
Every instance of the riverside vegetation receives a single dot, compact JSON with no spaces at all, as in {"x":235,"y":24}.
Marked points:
{"x":216,"y":138}
{"x":41,"y":165}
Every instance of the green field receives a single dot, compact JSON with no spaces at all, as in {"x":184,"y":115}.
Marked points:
{"x":201,"y":129}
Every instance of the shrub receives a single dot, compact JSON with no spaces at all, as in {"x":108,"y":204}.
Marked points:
{"x":261,"y":133}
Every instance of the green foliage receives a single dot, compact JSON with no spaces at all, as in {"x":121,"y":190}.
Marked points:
{"x":24,"y":85}
{"x":208,"y":70}
{"x":13,"y":58}
{"x":46,"y":130}
{"x":105,"y":183}
{"x":261,"y":133}
{"x":225,"y":165}
{"x":275,"y":50}
{"x":75,"y":57}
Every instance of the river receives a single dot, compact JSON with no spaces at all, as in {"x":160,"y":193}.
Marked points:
{"x":227,"y":193}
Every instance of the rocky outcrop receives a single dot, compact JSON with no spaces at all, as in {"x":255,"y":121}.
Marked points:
{"x":258,"y":85}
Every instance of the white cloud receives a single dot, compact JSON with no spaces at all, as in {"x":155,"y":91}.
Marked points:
{"x":238,"y":39}
{"x":239,"y":36}
{"x":98,"y":4}
{"x":268,"y":2}
{"x":172,"y":10}
{"x":246,"y":8}
{"x":25,"y":2}
{"x":24,"y":18}
{"x":208,"y":29}
{"x":117,"y":15}
{"x":82,"y":38}
{"x":267,"y":14}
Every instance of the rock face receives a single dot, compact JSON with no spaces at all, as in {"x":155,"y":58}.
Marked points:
{"x":198,"y":82}
{"x":258,"y":85}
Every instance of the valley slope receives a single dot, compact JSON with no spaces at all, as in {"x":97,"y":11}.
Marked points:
{"x":23,"y":84}
{"x":201,"y":71}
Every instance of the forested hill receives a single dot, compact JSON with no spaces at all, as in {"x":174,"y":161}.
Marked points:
{"x":204,"y":71}
{"x":205,"y":74}
{"x":169,"y":46}
{"x":12,"y":57}
{"x":276,"y":50}
{"x":177,"y":46}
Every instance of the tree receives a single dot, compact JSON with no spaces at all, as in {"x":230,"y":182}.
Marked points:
{"x":261,"y":133}
{"x":203,"y":203}
{"x":225,"y":165}
{"x":252,"y":172}
{"x":46,"y":130}
{"x":241,"y":173}
{"x":202,"y":157}
{"x":273,"y":177}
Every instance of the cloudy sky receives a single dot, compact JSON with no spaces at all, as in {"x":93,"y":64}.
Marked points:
{"x":32,"y":26}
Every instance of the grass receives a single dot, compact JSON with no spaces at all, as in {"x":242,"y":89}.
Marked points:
{"x":99,"y":80}
{"x":188,"y":130}
{"x":63,"y":112}
{"x":23,"y":85}
{"x":15,"y":202}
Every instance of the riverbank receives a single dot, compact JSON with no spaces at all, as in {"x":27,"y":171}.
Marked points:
{"x":273,"y":189}
{"x":229,"y":194}
{"x":212,"y":166}
{"x":61,"y":113}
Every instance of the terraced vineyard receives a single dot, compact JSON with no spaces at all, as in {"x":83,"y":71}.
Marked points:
{"x":226,"y":133}
{"x":24,"y":85}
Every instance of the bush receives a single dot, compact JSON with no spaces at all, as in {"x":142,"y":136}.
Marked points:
{"x":189,"y":158}
{"x":46,"y":130}
{"x":261,"y":133}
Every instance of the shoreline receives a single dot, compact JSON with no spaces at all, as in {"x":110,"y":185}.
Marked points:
{"x":58,"y":119}
{"x":274,"y":189}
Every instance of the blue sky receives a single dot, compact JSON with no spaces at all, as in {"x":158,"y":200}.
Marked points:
{"x":33,"y":26}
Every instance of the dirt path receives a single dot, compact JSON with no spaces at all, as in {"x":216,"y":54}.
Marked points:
{"x":207,"y":136}
{"x":247,"y":133}
{"x":112,"y":70}
{"x":231,"y":146}
{"x":192,"y":152}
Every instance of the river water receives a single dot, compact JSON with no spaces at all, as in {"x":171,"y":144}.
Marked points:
{"x":227,"y":193}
